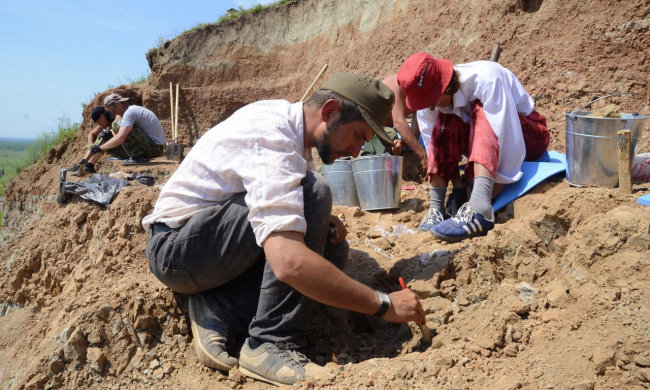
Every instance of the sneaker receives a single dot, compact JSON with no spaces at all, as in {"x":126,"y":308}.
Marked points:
{"x":465,"y":224}
{"x":278,"y":366}
{"x":433,"y":217}
{"x":456,"y":199}
{"x":208,"y":333}
{"x":89,"y":168}
{"x":74,"y":167}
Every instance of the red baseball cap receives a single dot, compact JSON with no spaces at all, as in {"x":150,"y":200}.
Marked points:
{"x":423,"y":79}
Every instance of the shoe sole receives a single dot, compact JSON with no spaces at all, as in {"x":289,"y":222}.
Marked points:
{"x":453,"y":239}
{"x":253,"y":375}
{"x":201,"y":353}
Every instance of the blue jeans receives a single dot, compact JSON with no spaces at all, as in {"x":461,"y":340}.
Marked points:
{"x":215,"y":254}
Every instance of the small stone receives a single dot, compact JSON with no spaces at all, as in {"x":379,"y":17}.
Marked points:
{"x":66,"y":333}
{"x":424,"y":288}
{"x":183,"y":327}
{"x":405,"y":373}
{"x":602,"y":358}
{"x":80,"y":218}
{"x":445,"y":361}
{"x":509,"y":331}
{"x":104,"y":312}
{"x":96,"y":359}
{"x":144,"y":338}
{"x":457,"y":383}
{"x":154,"y":364}
{"x":642,"y":361}
{"x":353,"y":212}
{"x":511,"y":350}
{"x":56,"y":364}
{"x":642,"y":374}
{"x":167,"y":368}
{"x":95,"y":337}
{"x":584,"y":385}
{"x":144,"y":323}
{"x":558,"y":297}
{"x":158,"y":373}
{"x":75,"y":348}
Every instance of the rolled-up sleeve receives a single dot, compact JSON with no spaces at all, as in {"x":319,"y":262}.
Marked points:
{"x":273,"y":184}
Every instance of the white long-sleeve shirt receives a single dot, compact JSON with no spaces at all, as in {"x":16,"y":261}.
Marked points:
{"x":503,"y":97}
{"x":258,"y":150}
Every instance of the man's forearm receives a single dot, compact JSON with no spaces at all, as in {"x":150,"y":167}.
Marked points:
{"x":310,"y":274}
{"x":118,"y":139}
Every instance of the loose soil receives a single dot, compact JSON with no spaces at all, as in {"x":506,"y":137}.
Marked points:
{"x":555,"y":297}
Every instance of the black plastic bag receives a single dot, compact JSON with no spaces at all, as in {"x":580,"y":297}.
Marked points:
{"x":99,"y":189}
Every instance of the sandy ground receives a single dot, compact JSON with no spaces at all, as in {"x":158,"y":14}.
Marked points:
{"x":555,"y":297}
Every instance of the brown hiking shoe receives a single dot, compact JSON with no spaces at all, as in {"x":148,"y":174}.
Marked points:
{"x":208,"y":334}
{"x":277,"y":366}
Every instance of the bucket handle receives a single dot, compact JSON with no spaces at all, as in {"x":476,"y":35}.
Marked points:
{"x":635,"y":113}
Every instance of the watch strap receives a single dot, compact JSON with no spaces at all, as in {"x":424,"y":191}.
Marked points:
{"x":385,"y":304}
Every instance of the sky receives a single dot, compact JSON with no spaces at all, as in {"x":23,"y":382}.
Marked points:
{"x":57,"y":54}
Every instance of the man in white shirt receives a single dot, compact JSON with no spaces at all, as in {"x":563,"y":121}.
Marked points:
{"x":138,"y":135}
{"x":484,"y":113}
{"x":244,"y":225}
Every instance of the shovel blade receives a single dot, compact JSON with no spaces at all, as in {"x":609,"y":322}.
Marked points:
{"x":175,"y":151}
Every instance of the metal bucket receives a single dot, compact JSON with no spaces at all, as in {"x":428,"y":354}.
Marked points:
{"x":591,"y":146}
{"x":379,"y":181}
{"x":341,"y":180}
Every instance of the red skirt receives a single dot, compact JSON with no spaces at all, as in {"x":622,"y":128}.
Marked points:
{"x":452,"y":138}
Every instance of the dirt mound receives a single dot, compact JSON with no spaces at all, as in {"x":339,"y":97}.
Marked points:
{"x":554,"y":297}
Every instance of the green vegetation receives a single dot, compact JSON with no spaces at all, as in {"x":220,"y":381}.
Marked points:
{"x":12,"y":160}
{"x":230,"y":14}
{"x":66,"y":130}
{"x":241,"y":11}
{"x":15,"y":155}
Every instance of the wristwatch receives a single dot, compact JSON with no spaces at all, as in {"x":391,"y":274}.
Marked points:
{"x":385,"y":304}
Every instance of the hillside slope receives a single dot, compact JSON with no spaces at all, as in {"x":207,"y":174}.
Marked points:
{"x":555,"y":297}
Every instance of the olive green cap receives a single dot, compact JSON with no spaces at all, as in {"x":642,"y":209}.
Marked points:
{"x":374,"y":98}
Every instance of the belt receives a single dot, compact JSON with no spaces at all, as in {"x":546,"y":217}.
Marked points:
{"x":159,"y":227}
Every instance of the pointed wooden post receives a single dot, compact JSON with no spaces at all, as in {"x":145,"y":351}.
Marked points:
{"x":624,"y":161}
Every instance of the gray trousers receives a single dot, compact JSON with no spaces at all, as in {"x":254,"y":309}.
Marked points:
{"x":215,"y":255}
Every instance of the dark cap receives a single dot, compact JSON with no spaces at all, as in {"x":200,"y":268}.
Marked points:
{"x":423,"y":79}
{"x":374,"y":98}
{"x":97,"y":112}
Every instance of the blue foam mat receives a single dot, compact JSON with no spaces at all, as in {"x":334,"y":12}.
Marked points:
{"x":644,"y":200}
{"x":534,"y":172}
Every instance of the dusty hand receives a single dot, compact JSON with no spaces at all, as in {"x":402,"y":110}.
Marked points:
{"x":424,"y":161}
{"x":397,"y":146}
{"x":96,"y":148}
{"x":405,"y":307}
{"x":337,"y":230}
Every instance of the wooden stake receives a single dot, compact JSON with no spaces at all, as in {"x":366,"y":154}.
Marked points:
{"x":176,"y":117}
{"x":171,"y":104}
{"x":314,"y":82}
{"x":624,"y":161}
{"x":496,"y":50}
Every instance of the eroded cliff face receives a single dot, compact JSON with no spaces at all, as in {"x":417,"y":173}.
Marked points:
{"x":555,"y":297}
{"x":565,"y":53}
